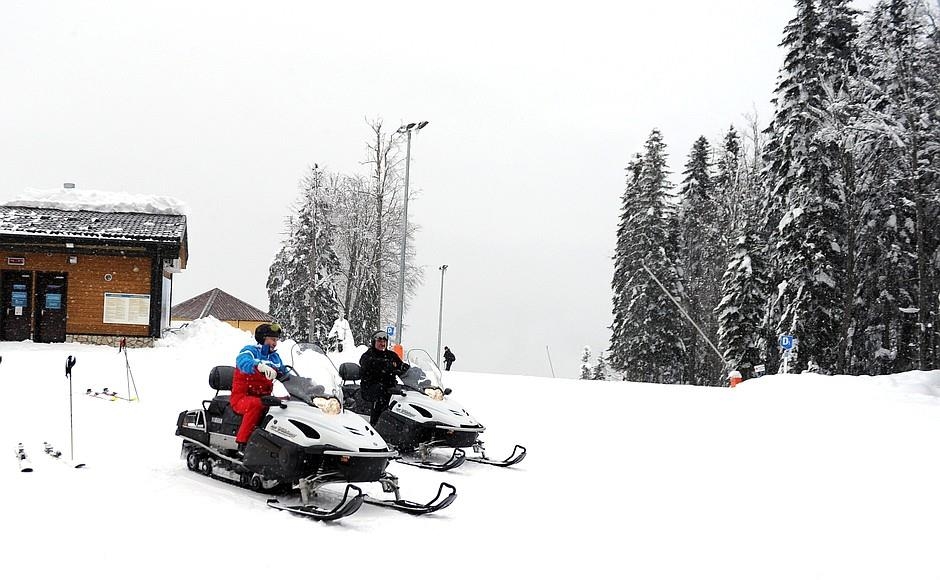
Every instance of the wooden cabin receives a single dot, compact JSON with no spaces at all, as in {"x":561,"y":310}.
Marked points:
{"x":88,"y":276}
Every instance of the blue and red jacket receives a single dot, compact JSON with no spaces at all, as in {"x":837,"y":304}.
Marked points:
{"x":247,"y":380}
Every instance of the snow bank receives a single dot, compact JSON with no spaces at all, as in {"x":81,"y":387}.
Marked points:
{"x":95,"y":200}
{"x":207,"y":333}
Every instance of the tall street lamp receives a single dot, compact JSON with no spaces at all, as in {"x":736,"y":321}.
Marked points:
{"x":406,"y":129}
{"x":440,"y":316}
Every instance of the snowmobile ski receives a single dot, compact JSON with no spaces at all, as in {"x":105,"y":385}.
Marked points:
{"x":456,"y":460}
{"x":56,"y":454}
{"x":22,"y":459}
{"x":517,"y":455}
{"x":346,"y":506}
{"x":415,"y":508}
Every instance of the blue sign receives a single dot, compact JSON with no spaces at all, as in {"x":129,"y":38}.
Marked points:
{"x":18,"y":296}
{"x":786,"y":341}
{"x":54,"y":301}
{"x":390,"y":330}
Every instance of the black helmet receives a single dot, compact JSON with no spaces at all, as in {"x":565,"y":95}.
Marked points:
{"x":377,"y":335}
{"x":265,"y":330}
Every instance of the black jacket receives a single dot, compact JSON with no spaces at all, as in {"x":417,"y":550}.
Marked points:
{"x":448,"y":355}
{"x":378,"y":369}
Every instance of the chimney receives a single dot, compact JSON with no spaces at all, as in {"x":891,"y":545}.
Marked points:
{"x":68,"y":185}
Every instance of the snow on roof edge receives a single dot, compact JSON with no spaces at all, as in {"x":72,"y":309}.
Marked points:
{"x":97,"y":200}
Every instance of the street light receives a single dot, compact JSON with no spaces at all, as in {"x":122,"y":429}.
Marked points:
{"x":440,"y":316}
{"x":406,"y":129}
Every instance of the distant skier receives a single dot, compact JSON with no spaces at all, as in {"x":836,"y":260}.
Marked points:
{"x":379,"y":367}
{"x":256,"y":367}
{"x":449,"y":358}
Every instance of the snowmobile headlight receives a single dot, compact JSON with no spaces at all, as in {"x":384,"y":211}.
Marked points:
{"x":329,"y":406}
{"x":434,"y":393}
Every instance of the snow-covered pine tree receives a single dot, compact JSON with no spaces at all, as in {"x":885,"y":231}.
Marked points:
{"x":292,"y":290}
{"x":599,"y":373}
{"x":646,"y":334}
{"x":898,"y":120}
{"x":728,"y":191}
{"x":585,"y":364}
{"x":806,"y":190}
{"x":740,"y":313}
{"x":703,"y":261}
{"x":623,"y":269}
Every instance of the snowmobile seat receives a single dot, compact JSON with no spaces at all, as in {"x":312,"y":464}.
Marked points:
{"x":221,"y":377}
{"x":218,"y":405}
{"x":349,"y":372}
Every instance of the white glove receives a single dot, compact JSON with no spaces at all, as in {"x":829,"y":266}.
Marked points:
{"x":268,"y":372}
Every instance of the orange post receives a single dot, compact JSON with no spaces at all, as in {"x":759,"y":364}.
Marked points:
{"x":397,"y":349}
{"x":734,"y":377}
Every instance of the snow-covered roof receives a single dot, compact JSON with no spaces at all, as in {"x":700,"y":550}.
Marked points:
{"x":95,"y":200}
{"x":93,"y":225}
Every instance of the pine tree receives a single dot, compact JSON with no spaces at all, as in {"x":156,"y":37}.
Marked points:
{"x":646,"y":335}
{"x":740,"y":313}
{"x":599,"y":372}
{"x":898,"y":99}
{"x":702,"y":260}
{"x":806,"y":189}
{"x":586,"y":364}
{"x":296,"y":296}
{"x":729,"y":193}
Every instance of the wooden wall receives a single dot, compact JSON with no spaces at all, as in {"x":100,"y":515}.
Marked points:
{"x":86,"y":286}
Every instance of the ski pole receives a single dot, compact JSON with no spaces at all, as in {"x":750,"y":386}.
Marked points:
{"x":69,"y":363}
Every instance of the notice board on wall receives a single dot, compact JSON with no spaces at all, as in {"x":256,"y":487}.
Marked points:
{"x":126,"y":308}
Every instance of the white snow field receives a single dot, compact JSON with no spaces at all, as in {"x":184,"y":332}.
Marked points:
{"x":783,"y":477}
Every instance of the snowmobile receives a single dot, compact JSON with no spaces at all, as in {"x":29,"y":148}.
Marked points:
{"x":303,"y":443}
{"x":423,"y":419}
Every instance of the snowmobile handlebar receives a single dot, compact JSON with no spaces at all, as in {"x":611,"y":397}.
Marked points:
{"x":272,"y":401}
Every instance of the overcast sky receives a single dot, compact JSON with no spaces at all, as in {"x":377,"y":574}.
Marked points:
{"x":534,"y":110}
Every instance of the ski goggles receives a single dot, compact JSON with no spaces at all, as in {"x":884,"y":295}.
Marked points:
{"x":380,"y":336}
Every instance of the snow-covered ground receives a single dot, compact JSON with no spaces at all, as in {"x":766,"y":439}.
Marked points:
{"x":784,"y":477}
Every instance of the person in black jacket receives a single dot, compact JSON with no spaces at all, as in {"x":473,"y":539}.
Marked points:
{"x":379,"y":367}
{"x":449,"y":358}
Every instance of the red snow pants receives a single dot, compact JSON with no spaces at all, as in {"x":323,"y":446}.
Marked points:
{"x":251,"y":410}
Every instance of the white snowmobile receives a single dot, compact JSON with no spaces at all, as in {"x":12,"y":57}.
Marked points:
{"x":424,"y":419}
{"x":303,"y":443}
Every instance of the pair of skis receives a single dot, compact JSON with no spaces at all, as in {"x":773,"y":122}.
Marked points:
{"x":26,"y":465}
{"x":108,"y":395}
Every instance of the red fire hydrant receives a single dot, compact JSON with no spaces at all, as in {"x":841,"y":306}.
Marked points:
{"x":734,"y":377}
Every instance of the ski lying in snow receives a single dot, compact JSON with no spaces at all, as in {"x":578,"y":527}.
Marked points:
{"x":348,"y":505}
{"x":25,"y":465}
{"x":97,"y":395}
{"x":456,"y":460}
{"x":56,"y":454}
{"x":415,"y":508}
{"x":117,"y":396}
{"x":517,"y":455}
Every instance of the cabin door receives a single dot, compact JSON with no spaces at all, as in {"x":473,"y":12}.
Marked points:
{"x":17,"y":299}
{"x":51,"y":305}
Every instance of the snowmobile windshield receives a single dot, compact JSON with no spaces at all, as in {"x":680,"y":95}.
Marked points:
{"x":309,"y":360}
{"x":304,"y":389}
{"x":423,"y":375}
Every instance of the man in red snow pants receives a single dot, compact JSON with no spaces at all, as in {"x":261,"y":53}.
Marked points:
{"x":256,"y":367}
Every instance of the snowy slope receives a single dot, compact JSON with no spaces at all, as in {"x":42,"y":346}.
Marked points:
{"x":784,"y":477}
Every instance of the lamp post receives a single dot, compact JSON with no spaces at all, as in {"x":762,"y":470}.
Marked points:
{"x":406,"y":129}
{"x":440,"y":316}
